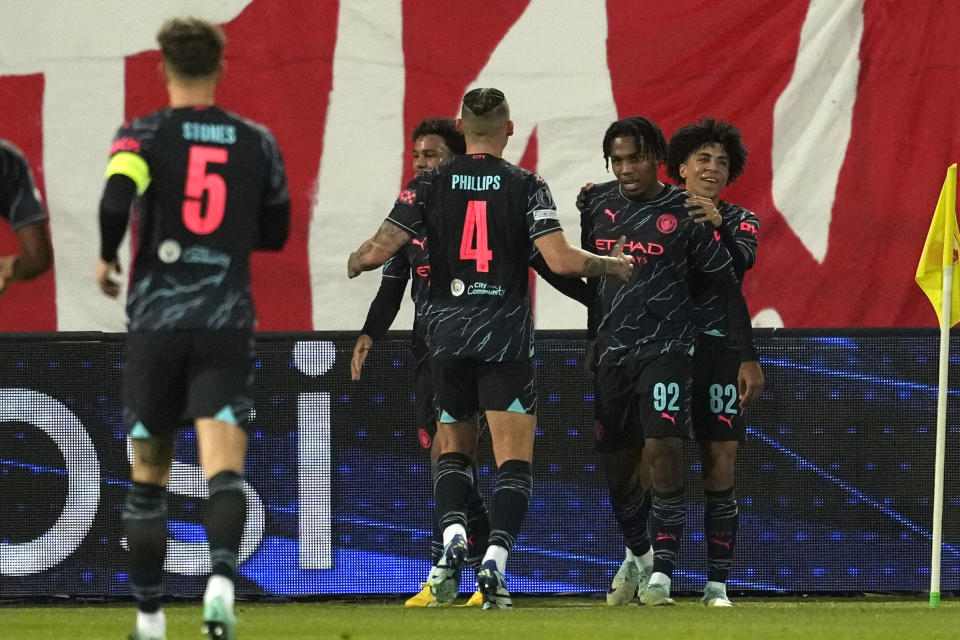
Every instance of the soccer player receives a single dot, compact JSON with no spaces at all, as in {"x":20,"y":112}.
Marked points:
{"x":210,"y":187}
{"x":482,"y":217}
{"x":22,"y":206}
{"x":435,"y":141}
{"x":705,"y":157}
{"x":644,"y":337}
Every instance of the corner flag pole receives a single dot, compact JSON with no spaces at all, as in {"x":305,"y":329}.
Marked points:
{"x":941,"y":437}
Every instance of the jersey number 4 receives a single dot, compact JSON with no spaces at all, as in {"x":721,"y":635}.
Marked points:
{"x":475,"y":224}
{"x":200,"y":181}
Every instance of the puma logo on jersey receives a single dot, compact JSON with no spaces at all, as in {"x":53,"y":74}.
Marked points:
{"x":727,"y":420}
{"x":667,"y":416}
{"x":613,"y":214}
{"x":419,"y":243}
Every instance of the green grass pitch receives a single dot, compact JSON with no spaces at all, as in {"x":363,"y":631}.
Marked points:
{"x":558,"y":618}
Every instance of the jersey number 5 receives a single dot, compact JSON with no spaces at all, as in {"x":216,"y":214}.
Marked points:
{"x":200,"y":181}
{"x":476,"y":224}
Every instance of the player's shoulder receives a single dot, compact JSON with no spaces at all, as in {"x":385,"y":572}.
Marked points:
{"x":138,"y":132}
{"x":11,"y":157}
{"x":257,"y":128}
{"x":519,"y":175}
{"x":150,"y":121}
{"x":601,"y":193}
{"x":671,"y":196}
{"x":11,"y":151}
{"x":736,"y":211}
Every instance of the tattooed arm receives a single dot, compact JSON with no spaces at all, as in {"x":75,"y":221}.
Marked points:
{"x":565,"y":259}
{"x":375,"y":251}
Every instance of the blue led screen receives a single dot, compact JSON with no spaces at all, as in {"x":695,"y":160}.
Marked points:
{"x":835,"y":483}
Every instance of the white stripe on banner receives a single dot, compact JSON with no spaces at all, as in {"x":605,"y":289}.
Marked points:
{"x":363,"y":154}
{"x":812,"y":120}
{"x":566,"y":93}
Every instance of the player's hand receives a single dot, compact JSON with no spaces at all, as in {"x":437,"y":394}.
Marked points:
{"x":360,"y":351}
{"x":750,"y":382}
{"x":622,"y":265}
{"x":6,"y":271}
{"x":103,"y":272}
{"x":703,"y":210}
{"x":353,"y":266}
{"x":582,"y":196}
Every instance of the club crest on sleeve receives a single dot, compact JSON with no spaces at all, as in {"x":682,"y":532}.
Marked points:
{"x":667,"y":223}
{"x":408,"y":196}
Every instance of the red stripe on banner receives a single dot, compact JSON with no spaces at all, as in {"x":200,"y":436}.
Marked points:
{"x":26,"y":306}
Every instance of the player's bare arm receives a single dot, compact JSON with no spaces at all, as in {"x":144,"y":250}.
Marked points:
{"x":360,"y":352}
{"x":565,"y":259}
{"x":34,"y":258}
{"x":375,"y":251}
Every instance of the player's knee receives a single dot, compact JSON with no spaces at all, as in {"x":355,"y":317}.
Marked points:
{"x":719,"y":466}
{"x":153,"y":452}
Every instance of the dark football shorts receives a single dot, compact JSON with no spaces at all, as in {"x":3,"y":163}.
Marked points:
{"x":464,"y":387}
{"x":716,"y":402}
{"x":638,"y":400}
{"x":425,"y":411}
{"x":171,"y":377}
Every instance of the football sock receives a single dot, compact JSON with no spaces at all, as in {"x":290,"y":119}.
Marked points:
{"x":510,"y":501}
{"x":219,"y":587}
{"x":644,"y":561}
{"x":720,"y":521}
{"x":478,"y":524}
{"x":499,"y":556}
{"x":145,"y":521}
{"x":632,"y":514}
{"x":436,"y":543}
{"x":223,"y":519}
{"x":451,"y":491}
{"x":669,"y":514}
{"x":152,"y":625}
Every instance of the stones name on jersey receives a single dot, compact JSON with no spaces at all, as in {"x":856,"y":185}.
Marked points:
{"x":197,"y":276}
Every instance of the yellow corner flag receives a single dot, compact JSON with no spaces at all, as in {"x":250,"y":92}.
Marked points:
{"x":938,"y":250}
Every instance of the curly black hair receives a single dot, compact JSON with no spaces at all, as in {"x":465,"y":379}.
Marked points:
{"x":446,"y":128}
{"x":646,"y":133}
{"x":689,"y":139}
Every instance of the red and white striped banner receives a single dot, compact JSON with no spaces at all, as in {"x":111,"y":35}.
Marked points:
{"x":849,"y":109}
